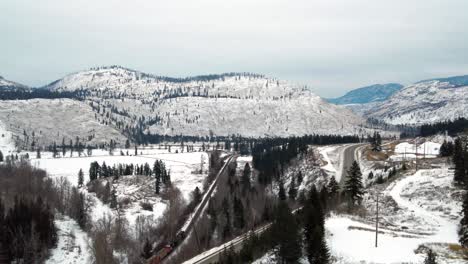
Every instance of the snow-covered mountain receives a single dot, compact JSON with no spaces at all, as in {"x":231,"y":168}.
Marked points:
{"x":368,"y":94}
{"x":225,"y":104}
{"x":11,"y":86}
{"x":425,"y":102}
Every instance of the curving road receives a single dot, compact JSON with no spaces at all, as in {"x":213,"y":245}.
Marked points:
{"x":348,"y":156}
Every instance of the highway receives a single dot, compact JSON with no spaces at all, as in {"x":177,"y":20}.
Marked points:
{"x":348,"y":156}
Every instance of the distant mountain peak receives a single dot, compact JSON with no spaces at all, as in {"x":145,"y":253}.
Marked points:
{"x":455,"y":81}
{"x":7,"y":84}
{"x":368,"y":94}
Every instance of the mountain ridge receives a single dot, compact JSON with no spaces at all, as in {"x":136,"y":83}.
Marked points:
{"x":367,"y":94}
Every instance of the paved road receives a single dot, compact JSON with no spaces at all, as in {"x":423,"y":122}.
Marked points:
{"x":347,"y":159}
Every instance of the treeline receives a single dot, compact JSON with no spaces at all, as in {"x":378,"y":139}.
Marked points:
{"x":159,"y":171}
{"x":26,"y":94}
{"x":452,"y":127}
{"x":238,"y":142}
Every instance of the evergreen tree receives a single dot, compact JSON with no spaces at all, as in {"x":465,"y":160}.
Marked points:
{"x":113,"y":199}
{"x":299,"y":178}
{"x":64,"y":148}
{"x":333,"y":187}
{"x":430,"y":257}
{"x":376,"y":142}
{"x":146,"y":252}
{"x":157,"y":184}
{"x":136,"y":150}
{"x":80,"y":178}
{"x":127,"y":146}
{"x":281,"y":193}
{"x":286,"y":232}
{"x":227,"y":230}
{"x":94,"y":171}
{"x":246,"y":177}
{"x":239,"y":221}
{"x":446,"y":149}
{"x":292,"y":192}
{"x":38,"y":153}
{"x":353,"y":185}
{"x":314,"y":221}
{"x":54,"y":150}
{"x":463,"y":230}
{"x":104,"y":170}
{"x":459,"y":162}
{"x":196,"y":195}
{"x":1,"y":156}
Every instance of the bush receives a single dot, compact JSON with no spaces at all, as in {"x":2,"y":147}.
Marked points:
{"x":379,"y":180}
{"x":146,"y":206}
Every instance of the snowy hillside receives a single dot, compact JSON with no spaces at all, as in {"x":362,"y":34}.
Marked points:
{"x":9,"y":85}
{"x":226,"y":104}
{"x":7,"y":145}
{"x":45,"y":121}
{"x":424,"y":102}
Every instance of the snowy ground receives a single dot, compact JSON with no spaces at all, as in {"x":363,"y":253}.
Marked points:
{"x":132,"y":188}
{"x":72,"y":246}
{"x":422,"y":208}
{"x":181,"y":165}
{"x":330,"y":156}
{"x":408,"y":150}
{"x":7,"y":145}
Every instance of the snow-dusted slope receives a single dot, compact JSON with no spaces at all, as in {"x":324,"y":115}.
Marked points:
{"x":226,"y":104}
{"x":424,"y":102}
{"x":45,"y":121}
{"x":9,"y":85}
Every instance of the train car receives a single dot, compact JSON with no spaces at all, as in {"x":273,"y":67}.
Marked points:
{"x":162,"y":253}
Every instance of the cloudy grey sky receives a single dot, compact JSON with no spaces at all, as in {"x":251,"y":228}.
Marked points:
{"x":330,"y":45}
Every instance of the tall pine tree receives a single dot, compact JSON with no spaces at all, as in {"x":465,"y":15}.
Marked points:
{"x":463,"y":230}
{"x":459,"y":161}
{"x":286,"y":232}
{"x":353,"y":185}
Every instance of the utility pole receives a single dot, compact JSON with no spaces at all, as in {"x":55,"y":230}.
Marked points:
{"x":416,"y":155}
{"x":377,"y":221}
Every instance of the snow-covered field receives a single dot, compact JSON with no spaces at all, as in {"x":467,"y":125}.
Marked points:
{"x":425,"y":211}
{"x":180,"y":165}
{"x":73,"y":243}
{"x":406,"y":150}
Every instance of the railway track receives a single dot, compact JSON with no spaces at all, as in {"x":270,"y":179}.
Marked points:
{"x":188,"y":225}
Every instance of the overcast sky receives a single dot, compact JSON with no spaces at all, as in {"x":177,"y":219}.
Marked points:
{"x":330,"y":45}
